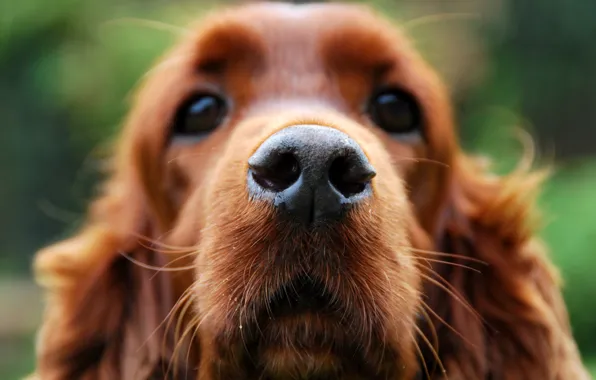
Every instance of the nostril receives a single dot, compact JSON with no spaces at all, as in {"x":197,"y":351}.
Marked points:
{"x":313,"y":175}
{"x":277,"y":172}
{"x":350,"y":176}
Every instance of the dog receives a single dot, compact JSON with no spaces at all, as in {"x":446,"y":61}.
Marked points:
{"x":289,"y":200}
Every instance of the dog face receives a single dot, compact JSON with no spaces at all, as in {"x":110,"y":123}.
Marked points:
{"x":291,"y":136}
{"x":314,"y":217}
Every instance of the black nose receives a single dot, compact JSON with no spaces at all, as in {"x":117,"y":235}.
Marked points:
{"x":310,"y":172}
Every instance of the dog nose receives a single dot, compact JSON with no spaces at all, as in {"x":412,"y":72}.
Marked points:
{"x":310,"y":172}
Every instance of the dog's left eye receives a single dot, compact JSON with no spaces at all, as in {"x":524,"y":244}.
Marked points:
{"x":200,"y":114}
{"x":396,"y":111}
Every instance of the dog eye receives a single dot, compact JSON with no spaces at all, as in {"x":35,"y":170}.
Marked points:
{"x":200,"y":114}
{"x":395,"y":111}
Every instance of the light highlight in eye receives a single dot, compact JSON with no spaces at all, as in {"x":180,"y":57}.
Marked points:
{"x":199,"y":115}
{"x":395,"y":111}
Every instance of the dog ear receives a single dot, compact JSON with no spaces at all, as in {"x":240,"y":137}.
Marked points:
{"x":498,"y":307}
{"x":100,"y":305}
{"x":110,"y":307}
{"x":106,"y":316}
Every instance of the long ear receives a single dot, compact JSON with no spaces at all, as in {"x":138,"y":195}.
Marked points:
{"x":107,"y":317}
{"x":497,"y":310}
{"x":104,"y":313}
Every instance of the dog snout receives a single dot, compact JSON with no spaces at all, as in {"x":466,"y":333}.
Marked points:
{"x":310,"y":173}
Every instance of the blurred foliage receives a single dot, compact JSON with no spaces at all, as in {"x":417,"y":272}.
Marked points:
{"x":17,"y":357}
{"x":67,"y":68}
{"x":571,"y":234}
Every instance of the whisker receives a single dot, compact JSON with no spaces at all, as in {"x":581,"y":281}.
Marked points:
{"x":433,"y":351}
{"x":421,"y":160}
{"x":435,"y":336}
{"x":180,"y":308}
{"x":448,"y":325}
{"x":447,"y":287}
{"x":187,"y":305}
{"x":192,"y":338}
{"x":434,"y":18}
{"x":167,"y":318}
{"x":452,"y":264}
{"x":152,"y":24}
{"x":193,"y":323}
{"x":152,"y":267}
{"x":189,"y":254}
{"x":156,"y":243}
{"x":421,"y":356}
{"x":169,"y":251}
{"x":445,"y":254}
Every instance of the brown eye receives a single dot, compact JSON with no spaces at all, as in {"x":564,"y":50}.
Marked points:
{"x":395,"y":111}
{"x":199,"y":115}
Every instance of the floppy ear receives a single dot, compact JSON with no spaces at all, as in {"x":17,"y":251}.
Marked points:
{"x":107,"y":316}
{"x":499,"y":309}
{"x":104,"y":313}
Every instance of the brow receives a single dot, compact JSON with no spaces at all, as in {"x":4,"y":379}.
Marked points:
{"x":357,"y":49}
{"x":225,"y":42}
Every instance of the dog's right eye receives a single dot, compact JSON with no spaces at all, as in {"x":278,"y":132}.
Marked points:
{"x":200,"y":114}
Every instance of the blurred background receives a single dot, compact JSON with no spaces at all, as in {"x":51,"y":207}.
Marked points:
{"x":67,"y":68}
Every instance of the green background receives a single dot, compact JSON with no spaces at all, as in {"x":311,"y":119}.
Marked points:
{"x":67,"y":68}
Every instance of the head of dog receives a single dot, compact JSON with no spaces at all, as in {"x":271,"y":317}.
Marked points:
{"x":293,"y":135}
{"x":301,"y":163}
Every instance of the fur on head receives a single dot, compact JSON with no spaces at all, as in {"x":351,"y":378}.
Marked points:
{"x":180,"y":272}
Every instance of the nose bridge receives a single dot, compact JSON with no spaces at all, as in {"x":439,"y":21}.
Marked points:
{"x":311,"y":172}
{"x":276,"y":112}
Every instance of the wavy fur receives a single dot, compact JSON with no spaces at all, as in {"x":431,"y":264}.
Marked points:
{"x":440,"y":275}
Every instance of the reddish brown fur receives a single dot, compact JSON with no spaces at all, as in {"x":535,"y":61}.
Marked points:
{"x":413,"y":310}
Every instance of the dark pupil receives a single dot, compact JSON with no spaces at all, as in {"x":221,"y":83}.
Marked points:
{"x":395,"y":113}
{"x":202,"y":115}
